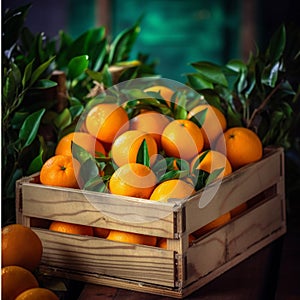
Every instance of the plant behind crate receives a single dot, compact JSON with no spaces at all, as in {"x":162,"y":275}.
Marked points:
{"x":262,"y":94}
{"x":38,"y":104}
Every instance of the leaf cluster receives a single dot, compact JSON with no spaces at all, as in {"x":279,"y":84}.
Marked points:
{"x":34,"y":116}
{"x":260,"y":94}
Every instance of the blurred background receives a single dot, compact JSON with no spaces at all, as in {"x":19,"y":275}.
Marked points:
{"x":174,"y":33}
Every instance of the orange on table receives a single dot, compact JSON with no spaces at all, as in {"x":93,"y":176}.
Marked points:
{"x":133,"y":179}
{"x":106,"y":121}
{"x":132,"y":238}
{"x":71,"y":228}
{"x":212,"y":161}
{"x":165,"y":92}
{"x":83,"y":139}
{"x":21,"y":246}
{"x":37,"y":294}
{"x":214,"y":123}
{"x":151,"y":122}
{"x":242,"y":146}
{"x":220,"y":221}
{"x":60,"y":170}
{"x":172,"y":189}
{"x":101,"y":232}
{"x":182,"y":139}
{"x":16,"y":280}
{"x":126,"y":146}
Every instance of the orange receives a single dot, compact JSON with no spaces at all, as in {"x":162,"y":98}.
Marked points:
{"x":21,"y":246}
{"x":71,"y":228}
{"x":242,"y":146}
{"x":83,"y":139}
{"x":60,"y":170}
{"x":165,"y":92}
{"x":106,"y":120}
{"x":37,"y":294}
{"x":133,"y":179}
{"x":151,"y":122}
{"x":126,"y":146}
{"x":16,"y":280}
{"x":182,"y":139}
{"x":172,"y":189}
{"x":212,"y":161}
{"x":220,"y":221}
{"x":214,"y":123}
{"x":101,"y":232}
{"x":132,"y":238}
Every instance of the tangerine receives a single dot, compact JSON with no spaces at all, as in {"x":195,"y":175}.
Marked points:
{"x":182,"y":139}
{"x":242,"y":146}
{"x":220,"y":221}
{"x":172,"y":189}
{"x":21,"y":246}
{"x":106,"y":121}
{"x":151,"y":122}
{"x":71,"y":228}
{"x":165,"y":92}
{"x":133,"y":179}
{"x":214,"y":123}
{"x":60,"y":170}
{"x":83,"y":139}
{"x":212,"y":161}
{"x":37,"y":294}
{"x":126,"y":146}
{"x":132,"y":238}
{"x":16,"y":280}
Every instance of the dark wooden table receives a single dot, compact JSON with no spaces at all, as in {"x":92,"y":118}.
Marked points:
{"x":271,"y":273}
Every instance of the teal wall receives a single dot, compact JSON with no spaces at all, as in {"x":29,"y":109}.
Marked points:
{"x":178,"y":32}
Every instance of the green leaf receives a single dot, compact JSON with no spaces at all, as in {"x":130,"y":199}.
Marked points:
{"x":13,"y":22}
{"x":40,"y":70}
{"x":96,"y":184}
{"x":36,"y":163}
{"x":10,"y":88}
{"x":88,"y":170}
{"x":63,"y":120}
{"x":122,"y":45}
{"x":81,"y":154}
{"x":211,"y":72}
{"x":199,"y":118}
{"x":143,"y":154}
{"x":277,"y":45}
{"x":44,"y":84}
{"x":30,"y":127}
{"x":198,"y":161}
{"x":77,"y":66}
{"x":97,"y":76}
{"x":27,"y":74}
{"x":198,"y":82}
{"x":270,"y":74}
{"x":107,"y":79}
{"x":213,"y":175}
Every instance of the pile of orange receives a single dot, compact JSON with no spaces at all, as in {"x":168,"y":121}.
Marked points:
{"x":21,"y":253}
{"x":202,"y":139}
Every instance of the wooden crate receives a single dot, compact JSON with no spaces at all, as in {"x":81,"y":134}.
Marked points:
{"x":181,"y":268}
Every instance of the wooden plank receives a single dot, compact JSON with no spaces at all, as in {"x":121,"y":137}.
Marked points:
{"x":99,"y":210}
{"x":234,"y":190}
{"x":95,"y":257}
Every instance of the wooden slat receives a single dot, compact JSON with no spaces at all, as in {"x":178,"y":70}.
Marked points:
{"x":235,"y":189}
{"x":96,"y":257}
{"x":99,"y":210}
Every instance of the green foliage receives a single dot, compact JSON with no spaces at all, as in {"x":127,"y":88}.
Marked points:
{"x":34,"y":118}
{"x":260,"y":94}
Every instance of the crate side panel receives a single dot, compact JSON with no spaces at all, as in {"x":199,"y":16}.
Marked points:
{"x":234,"y":239}
{"x":102,"y":257}
{"x":98,"y":210}
{"x":235,"y":189}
